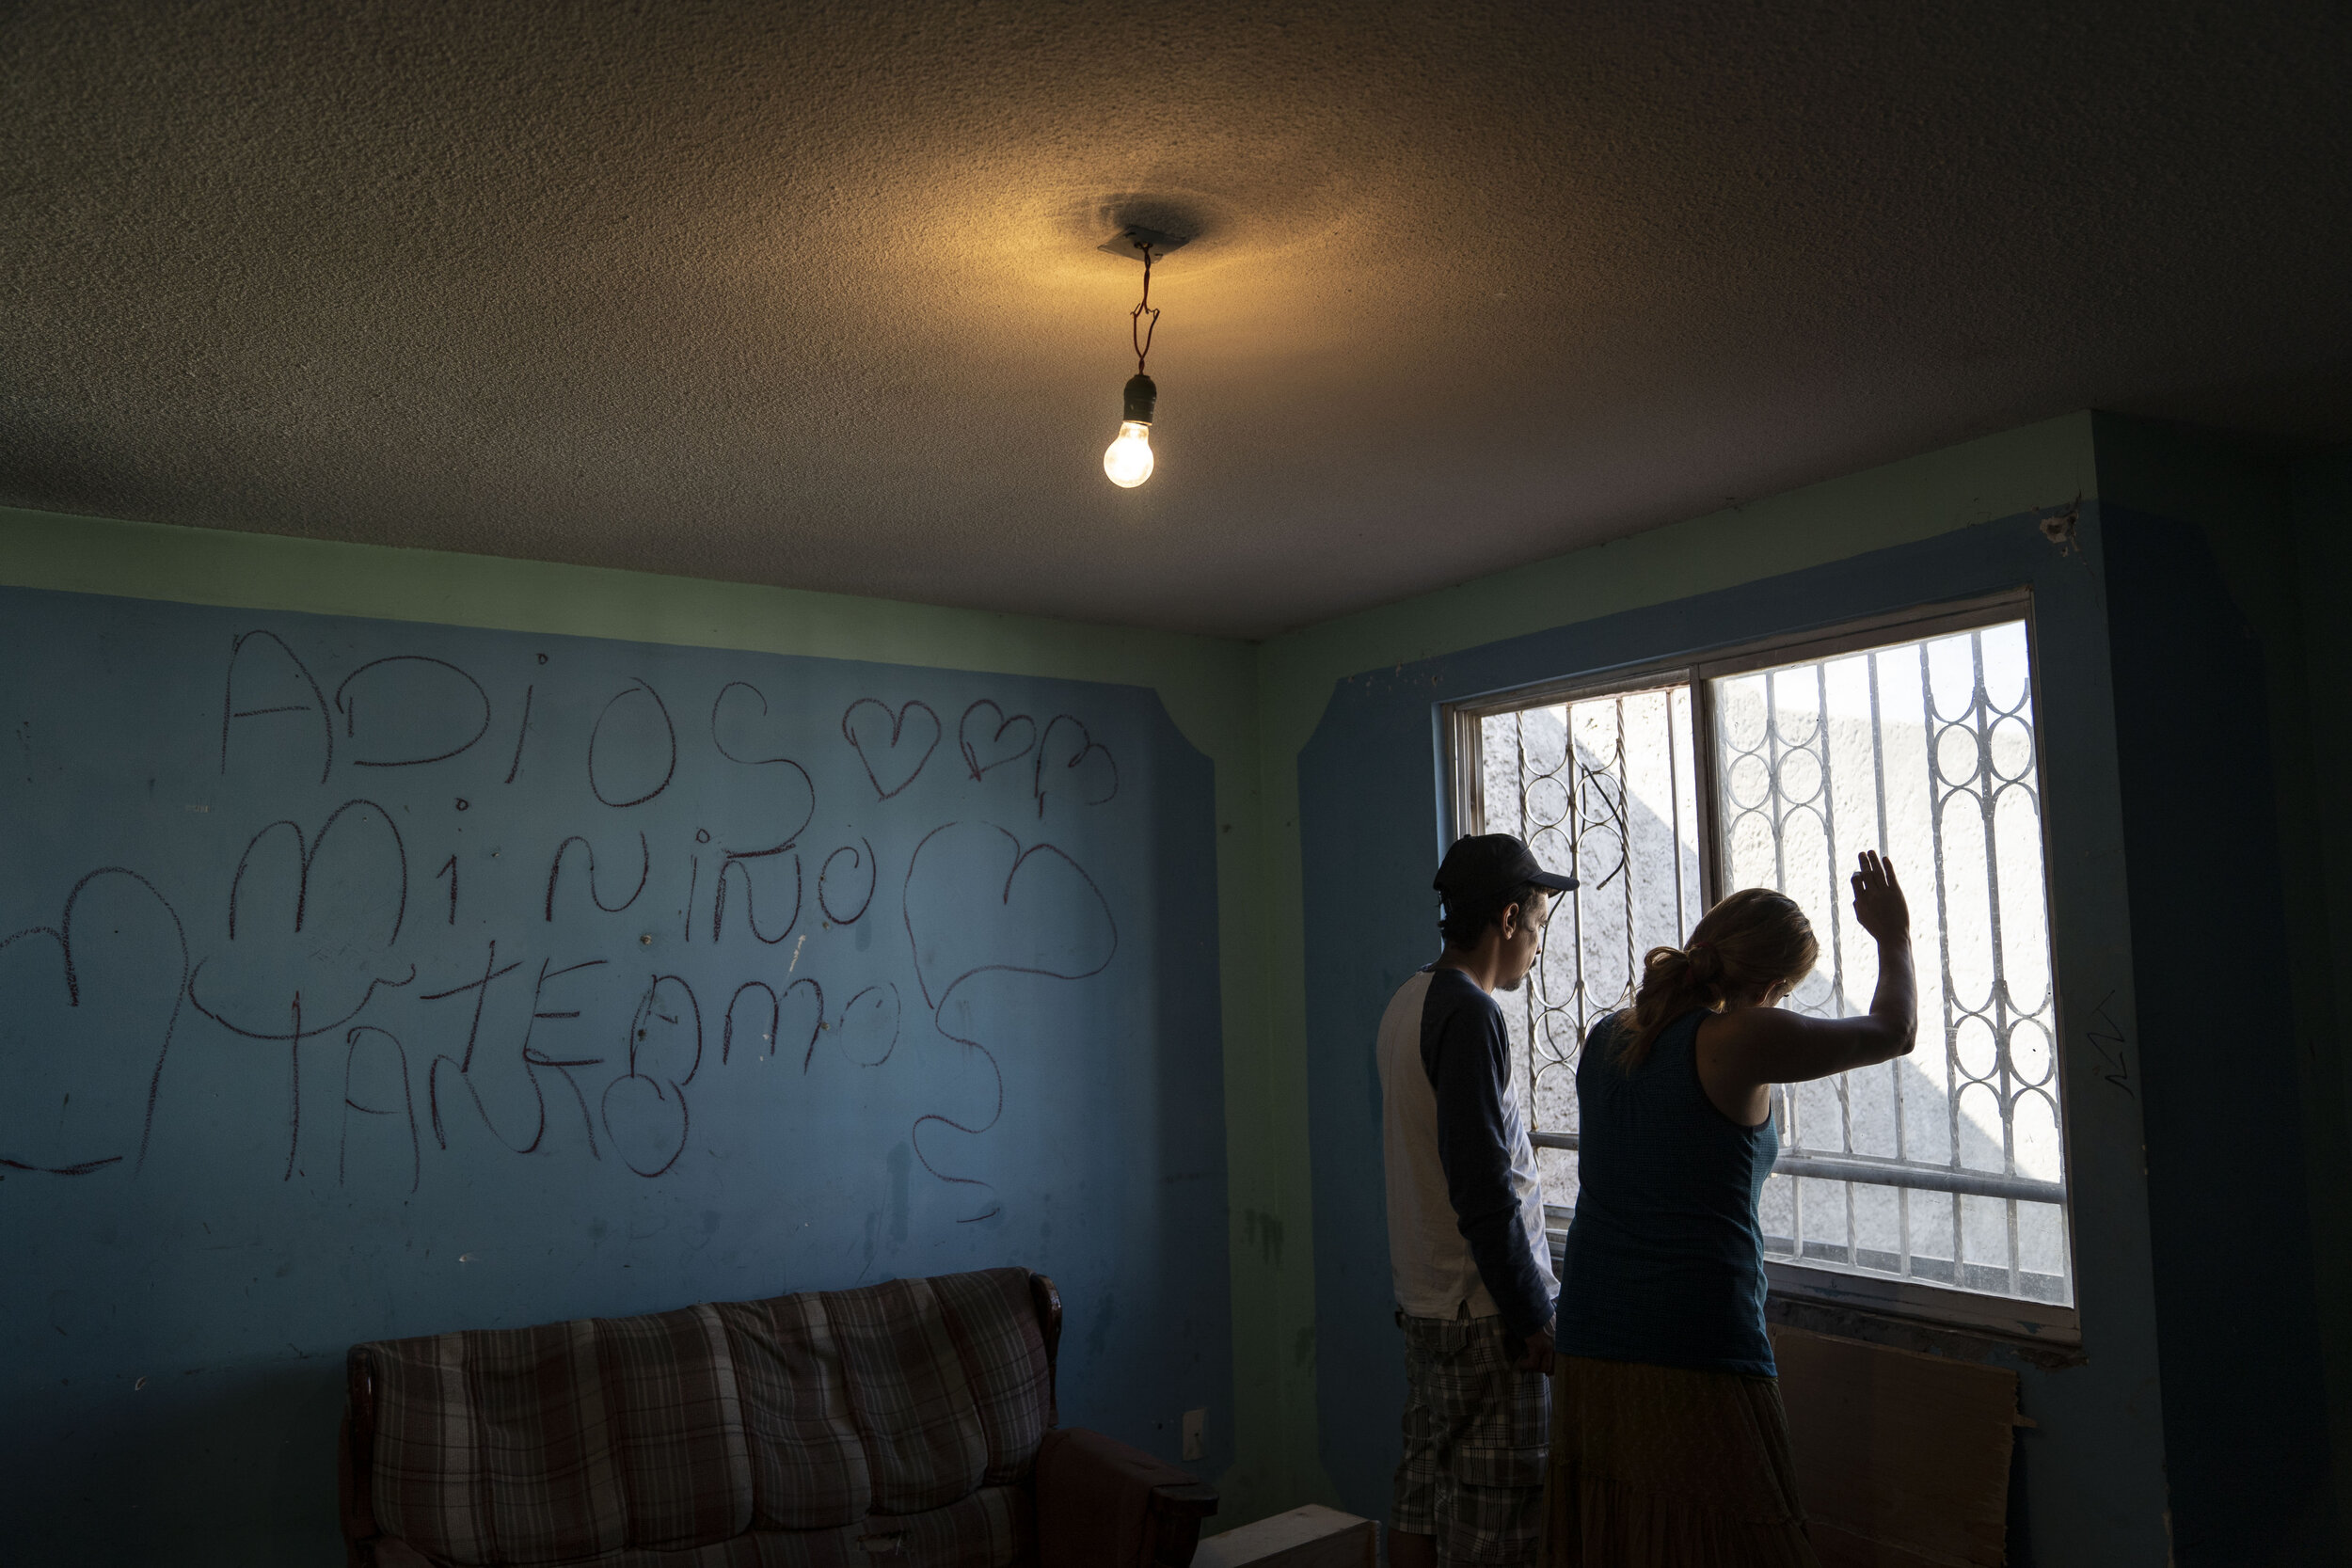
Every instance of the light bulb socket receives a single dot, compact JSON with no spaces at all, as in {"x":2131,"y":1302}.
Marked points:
{"x":1142,"y":398}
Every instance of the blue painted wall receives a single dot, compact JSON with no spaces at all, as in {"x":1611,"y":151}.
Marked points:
{"x":370,"y":978}
{"x":2246,"y":1411}
{"x":2226,"y":581}
{"x":2092,"y":1473}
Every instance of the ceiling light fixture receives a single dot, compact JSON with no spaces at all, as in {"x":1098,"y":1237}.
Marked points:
{"x":1128,"y":459}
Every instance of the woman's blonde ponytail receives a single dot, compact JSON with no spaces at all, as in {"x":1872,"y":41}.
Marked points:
{"x":1754,"y":941}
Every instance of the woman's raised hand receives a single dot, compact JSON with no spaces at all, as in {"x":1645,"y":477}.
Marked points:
{"x":1745,"y":1048}
{"x":1878,"y":900}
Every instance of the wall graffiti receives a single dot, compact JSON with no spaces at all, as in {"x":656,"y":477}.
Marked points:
{"x":526,"y":905}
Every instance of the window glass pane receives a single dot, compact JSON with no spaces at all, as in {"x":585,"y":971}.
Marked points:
{"x":1924,"y":751}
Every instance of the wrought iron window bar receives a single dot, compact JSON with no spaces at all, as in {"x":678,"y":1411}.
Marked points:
{"x":1879,"y":1173}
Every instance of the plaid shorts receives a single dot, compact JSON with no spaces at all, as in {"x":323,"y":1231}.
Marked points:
{"x":1475,"y":1438}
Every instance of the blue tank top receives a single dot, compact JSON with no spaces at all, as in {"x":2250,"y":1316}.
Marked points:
{"x":1665,"y":1258}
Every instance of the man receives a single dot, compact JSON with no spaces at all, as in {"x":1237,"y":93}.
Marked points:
{"x":1474,"y":1287}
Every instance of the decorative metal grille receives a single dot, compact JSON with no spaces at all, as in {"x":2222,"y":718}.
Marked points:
{"x":1945,"y":1167}
{"x":1925,"y":753}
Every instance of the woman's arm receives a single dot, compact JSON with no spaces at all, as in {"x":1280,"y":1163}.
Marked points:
{"x":1744,"y":1051}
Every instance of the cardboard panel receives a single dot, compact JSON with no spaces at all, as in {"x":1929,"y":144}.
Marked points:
{"x":1902,"y":1459}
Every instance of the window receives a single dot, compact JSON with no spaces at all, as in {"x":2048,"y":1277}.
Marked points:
{"x":1935,"y":1183}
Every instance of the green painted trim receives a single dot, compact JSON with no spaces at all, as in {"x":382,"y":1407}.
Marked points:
{"x":1199,"y":677}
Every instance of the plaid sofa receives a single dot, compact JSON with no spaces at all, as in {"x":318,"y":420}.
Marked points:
{"x":909,"y":1425}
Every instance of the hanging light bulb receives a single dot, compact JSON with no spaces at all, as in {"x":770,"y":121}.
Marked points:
{"x":1127,"y":461}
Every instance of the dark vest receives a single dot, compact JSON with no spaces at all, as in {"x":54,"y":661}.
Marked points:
{"x":1665,"y":1258}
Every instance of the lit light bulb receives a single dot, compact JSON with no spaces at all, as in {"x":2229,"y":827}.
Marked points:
{"x":1128,"y":460}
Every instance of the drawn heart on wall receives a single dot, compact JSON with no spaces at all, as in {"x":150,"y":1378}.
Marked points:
{"x":976,"y":900}
{"x":892,"y":746}
{"x":644,"y":1109}
{"x":989,"y":739}
{"x":1072,"y":765}
{"x":94,"y":1000}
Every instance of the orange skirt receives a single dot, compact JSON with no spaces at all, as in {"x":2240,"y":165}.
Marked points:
{"x":1666,"y":1468}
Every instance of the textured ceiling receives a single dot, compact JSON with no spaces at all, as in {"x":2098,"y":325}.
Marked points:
{"x":809,"y":295}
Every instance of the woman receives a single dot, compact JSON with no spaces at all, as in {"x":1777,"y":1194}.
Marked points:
{"x":1669,"y":1445}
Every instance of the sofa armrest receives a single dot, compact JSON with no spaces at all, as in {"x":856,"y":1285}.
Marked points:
{"x":354,"y":1459}
{"x":1047,"y":1301}
{"x":1103,"y":1504}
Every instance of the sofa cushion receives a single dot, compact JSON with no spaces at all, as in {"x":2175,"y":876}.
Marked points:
{"x":914,"y":1405}
{"x":992,"y":1321}
{"x":494,"y":1446}
{"x":809,"y":1463}
{"x":562,"y":1443}
{"x":894,"y":1398}
{"x":677,"y":1431}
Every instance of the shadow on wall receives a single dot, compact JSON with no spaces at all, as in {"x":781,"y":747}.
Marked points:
{"x":143,"y":1481}
{"x":2245,"y":1421}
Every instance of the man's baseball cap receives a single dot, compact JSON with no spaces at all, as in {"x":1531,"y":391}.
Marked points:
{"x":1482,"y":864}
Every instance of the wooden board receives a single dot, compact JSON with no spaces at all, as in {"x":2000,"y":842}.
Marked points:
{"x":1902,"y":1459}
{"x":1310,"y":1537}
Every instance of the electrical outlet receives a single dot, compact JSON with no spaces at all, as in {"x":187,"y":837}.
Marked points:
{"x":1194,"y":1421}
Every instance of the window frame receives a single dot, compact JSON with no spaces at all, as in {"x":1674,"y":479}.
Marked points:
{"x":1464,"y":781}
